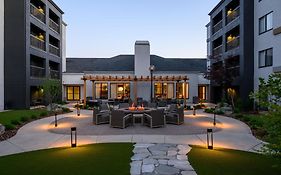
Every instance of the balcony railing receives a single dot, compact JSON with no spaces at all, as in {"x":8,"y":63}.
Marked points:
{"x":54,"y":74}
{"x":233,"y":15}
{"x":34,"y":11}
{"x":234,"y":71}
{"x":217,"y":27}
{"x":217,"y":51}
{"x":54,"y":50}
{"x":36,"y":42}
{"x":37,"y":72}
{"x":233,"y":43}
{"x":53,"y":25}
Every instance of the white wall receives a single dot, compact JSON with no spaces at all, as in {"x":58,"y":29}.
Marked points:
{"x":267,"y":40}
{"x":1,"y":55}
{"x":63,"y":47}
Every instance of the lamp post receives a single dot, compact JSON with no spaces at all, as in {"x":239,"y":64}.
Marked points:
{"x":210,"y":139}
{"x":56,"y":120}
{"x":151,"y":69}
{"x":215,"y":111}
{"x":73,"y":138}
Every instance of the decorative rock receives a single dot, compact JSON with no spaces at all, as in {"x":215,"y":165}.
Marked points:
{"x":140,"y":156}
{"x":182,"y":157}
{"x":136,"y":167}
{"x":150,"y":161}
{"x":158,"y":153}
{"x":148,"y":168}
{"x":163,"y":161}
{"x":139,"y":150}
{"x":158,"y":148}
{"x":184,"y":167}
{"x":188,"y":173}
{"x":177,"y":162}
{"x":166,"y":170}
{"x":172,"y":153}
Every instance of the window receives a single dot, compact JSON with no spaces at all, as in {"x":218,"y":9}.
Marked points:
{"x":101,"y":91}
{"x":266,"y":23}
{"x":164,"y":90}
{"x":266,"y":58}
{"x":180,"y":90}
{"x":120,"y":91}
{"x":73,"y":93}
{"x":202,"y":92}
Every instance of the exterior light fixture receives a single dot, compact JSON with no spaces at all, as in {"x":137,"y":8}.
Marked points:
{"x":56,"y":120}
{"x":215,"y":111}
{"x":151,"y":69}
{"x":73,"y":138}
{"x":78,"y":109}
{"x":194,"y":111}
{"x":210,"y":139}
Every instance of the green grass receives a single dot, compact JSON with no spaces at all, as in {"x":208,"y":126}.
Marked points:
{"x":98,"y":159}
{"x":15,"y":117}
{"x":231,"y":162}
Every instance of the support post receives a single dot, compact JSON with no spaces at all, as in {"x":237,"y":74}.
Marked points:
{"x":185,"y":89}
{"x":93,"y":90}
{"x":135,"y":90}
{"x":85,"y":92}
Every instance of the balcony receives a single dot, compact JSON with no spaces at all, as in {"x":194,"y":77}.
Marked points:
{"x":217,"y":51}
{"x":54,"y":74}
{"x":37,"y":72}
{"x":54,"y":26}
{"x":54,"y":50}
{"x":232,"y":15}
{"x":36,"y":42}
{"x":234,"y":71}
{"x":38,"y":13}
{"x":217,"y":27}
{"x":233,"y":43}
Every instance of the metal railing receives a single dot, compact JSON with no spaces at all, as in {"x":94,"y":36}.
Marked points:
{"x":34,"y":11}
{"x":235,"y":71}
{"x":233,"y":43}
{"x":37,"y":72}
{"x":54,"y":74}
{"x":217,"y":27}
{"x":233,"y":15}
{"x":217,"y":51}
{"x":53,"y":25}
{"x":36,"y":42}
{"x":54,"y":50}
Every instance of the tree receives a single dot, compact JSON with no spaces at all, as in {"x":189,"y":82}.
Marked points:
{"x":51,"y":90}
{"x":269,"y":93}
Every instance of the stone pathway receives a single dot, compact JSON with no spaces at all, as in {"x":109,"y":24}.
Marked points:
{"x":161,"y":159}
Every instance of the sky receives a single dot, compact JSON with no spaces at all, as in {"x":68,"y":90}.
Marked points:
{"x":106,"y":28}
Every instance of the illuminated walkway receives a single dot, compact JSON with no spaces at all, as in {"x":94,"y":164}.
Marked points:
{"x":230,"y":133}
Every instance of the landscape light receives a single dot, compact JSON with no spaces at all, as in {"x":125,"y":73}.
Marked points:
{"x":73,"y":138}
{"x":210,"y":139}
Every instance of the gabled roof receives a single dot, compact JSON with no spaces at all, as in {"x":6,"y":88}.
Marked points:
{"x":124,"y":63}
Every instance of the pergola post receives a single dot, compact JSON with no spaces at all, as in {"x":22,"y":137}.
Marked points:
{"x":85,"y":92}
{"x":93,"y":90}
{"x":135,"y":90}
{"x":185,"y":88}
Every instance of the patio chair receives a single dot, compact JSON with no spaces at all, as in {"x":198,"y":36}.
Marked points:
{"x":100,"y":117}
{"x":175,"y":117}
{"x":124,"y":105}
{"x":104,"y":108}
{"x":118,"y":119}
{"x":154,"y":118}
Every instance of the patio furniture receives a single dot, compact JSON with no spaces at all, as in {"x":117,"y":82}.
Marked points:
{"x":124,"y":105}
{"x":104,"y":108}
{"x":176,"y":117}
{"x":152,"y":105}
{"x":100,"y":117}
{"x":162,"y":103}
{"x":154,"y":118}
{"x":172,"y":108}
{"x":119,"y":119}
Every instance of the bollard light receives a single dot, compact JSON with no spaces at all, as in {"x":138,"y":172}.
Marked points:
{"x":194,"y":110}
{"x":78,"y":109}
{"x":215,"y":111}
{"x":56,"y":120}
{"x":73,"y":138}
{"x":210,"y":139}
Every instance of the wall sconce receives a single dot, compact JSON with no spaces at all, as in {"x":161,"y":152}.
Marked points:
{"x":215,"y":111}
{"x":73,"y":138}
{"x":210,"y":139}
{"x":56,"y":120}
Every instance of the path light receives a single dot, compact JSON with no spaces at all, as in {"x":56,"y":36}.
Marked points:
{"x":73,"y":138}
{"x":194,"y":110}
{"x":78,"y":109}
{"x":210,"y":139}
{"x":56,"y":120}
{"x":215,"y":111}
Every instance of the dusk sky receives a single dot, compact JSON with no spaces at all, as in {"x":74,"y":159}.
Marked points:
{"x":106,"y":28}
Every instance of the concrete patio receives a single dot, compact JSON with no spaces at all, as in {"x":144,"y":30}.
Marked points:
{"x":41,"y":134}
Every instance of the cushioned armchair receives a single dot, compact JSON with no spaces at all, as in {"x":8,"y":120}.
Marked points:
{"x":100,"y":117}
{"x":176,"y":116}
{"x":118,"y":119}
{"x":155,"y":118}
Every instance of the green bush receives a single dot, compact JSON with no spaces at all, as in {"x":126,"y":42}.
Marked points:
{"x":15,"y":122}
{"x":43,"y":114}
{"x":219,"y":112}
{"x":209,"y":110}
{"x":65,"y":110}
{"x":24,"y":119}
{"x":34,"y":117}
{"x":9,"y":127}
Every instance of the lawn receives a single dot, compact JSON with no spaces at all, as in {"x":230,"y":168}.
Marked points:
{"x":231,"y":162}
{"x":97,"y":159}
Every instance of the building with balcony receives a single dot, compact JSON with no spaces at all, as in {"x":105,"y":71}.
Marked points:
{"x":129,"y":77}
{"x":267,"y":30}
{"x":230,"y":45}
{"x":33,"y":49}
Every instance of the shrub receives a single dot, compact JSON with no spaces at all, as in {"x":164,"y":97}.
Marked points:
{"x":209,"y":110}
{"x":9,"y":127}
{"x":219,"y":112}
{"x":34,"y":117}
{"x":66,"y":110}
{"x":15,"y":122}
{"x":43,"y":114}
{"x":24,"y":119}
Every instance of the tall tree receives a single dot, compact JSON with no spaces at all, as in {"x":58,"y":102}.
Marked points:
{"x":52,"y":90}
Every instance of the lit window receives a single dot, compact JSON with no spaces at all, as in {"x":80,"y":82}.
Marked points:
{"x":202,"y":92}
{"x":73,"y":93}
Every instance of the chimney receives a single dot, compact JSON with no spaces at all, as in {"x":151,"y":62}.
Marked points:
{"x":142,"y":58}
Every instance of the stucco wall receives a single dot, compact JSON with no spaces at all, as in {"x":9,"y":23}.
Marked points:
{"x":1,"y":55}
{"x":268,"y":39}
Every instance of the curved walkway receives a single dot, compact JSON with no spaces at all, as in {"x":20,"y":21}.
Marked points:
{"x":230,"y":133}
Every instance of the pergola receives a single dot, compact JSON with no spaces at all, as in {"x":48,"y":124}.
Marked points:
{"x":133,"y":79}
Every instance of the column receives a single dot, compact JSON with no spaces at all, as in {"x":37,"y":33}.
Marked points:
{"x":185,"y":88}
{"x":135,"y":91}
{"x":93,"y":90}
{"x":85,"y":91}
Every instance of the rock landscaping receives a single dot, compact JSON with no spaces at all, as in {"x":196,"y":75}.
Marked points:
{"x":161,"y":159}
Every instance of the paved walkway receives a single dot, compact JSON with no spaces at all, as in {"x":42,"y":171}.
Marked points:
{"x":36,"y":135}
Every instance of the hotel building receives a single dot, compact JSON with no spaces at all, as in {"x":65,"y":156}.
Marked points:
{"x":129,"y":76}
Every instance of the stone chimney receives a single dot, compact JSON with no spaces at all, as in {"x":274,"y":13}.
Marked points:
{"x":142,"y":58}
